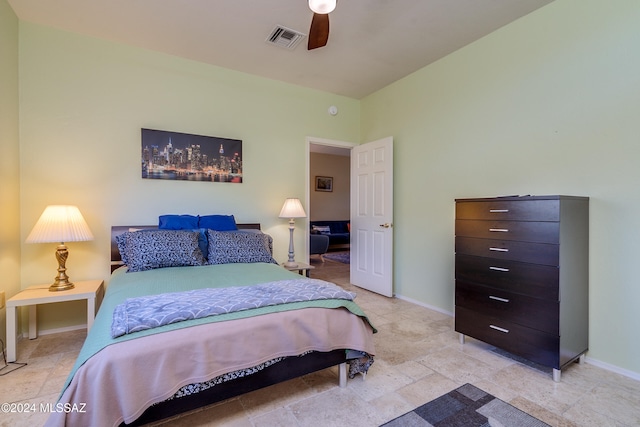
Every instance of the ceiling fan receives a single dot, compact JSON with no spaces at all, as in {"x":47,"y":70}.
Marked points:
{"x":319,"y":31}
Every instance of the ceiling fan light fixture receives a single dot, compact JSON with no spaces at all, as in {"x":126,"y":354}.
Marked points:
{"x":322,"y":6}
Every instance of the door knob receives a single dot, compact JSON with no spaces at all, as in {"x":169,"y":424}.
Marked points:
{"x":385,"y":225}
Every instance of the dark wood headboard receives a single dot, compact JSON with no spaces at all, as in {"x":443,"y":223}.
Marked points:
{"x":116,"y":230}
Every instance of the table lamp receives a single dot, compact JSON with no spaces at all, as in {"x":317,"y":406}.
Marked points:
{"x":60,"y":224}
{"x":291,"y":209}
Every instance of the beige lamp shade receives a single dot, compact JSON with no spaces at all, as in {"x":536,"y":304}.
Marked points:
{"x":292,"y":208}
{"x":60,"y":223}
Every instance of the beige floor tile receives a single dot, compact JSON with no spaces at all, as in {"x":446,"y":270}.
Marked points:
{"x":35,"y":415}
{"x":229,"y":413}
{"x":54,"y":344}
{"x":615,"y":403}
{"x":391,"y":406}
{"x":22,"y":384}
{"x":538,"y":387}
{"x":336,"y":408}
{"x":281,"y":417}
{"x":585,"y":416}
{"x":268,"y":399}
{"x":456,"y":365}
{"x":378,"y":382}
{"x":414,"y":370}
{"x":427,"y":389}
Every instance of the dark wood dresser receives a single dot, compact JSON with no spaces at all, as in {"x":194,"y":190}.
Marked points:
{"x":522,"y":276}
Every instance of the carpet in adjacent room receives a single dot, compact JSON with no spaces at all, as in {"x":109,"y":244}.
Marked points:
{"x":342,"y":257}
{"x":466,"y":406}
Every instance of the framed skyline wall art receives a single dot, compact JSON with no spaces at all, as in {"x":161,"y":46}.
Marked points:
{"x":186,"y":157}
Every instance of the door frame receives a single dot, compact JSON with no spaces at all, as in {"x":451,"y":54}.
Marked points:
{"x":309,"y":140}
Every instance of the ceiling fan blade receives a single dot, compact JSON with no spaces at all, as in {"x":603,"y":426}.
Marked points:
{"x":319,"y":31}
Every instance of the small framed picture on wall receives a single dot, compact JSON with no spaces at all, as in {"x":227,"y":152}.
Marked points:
{"x":324,"y":183}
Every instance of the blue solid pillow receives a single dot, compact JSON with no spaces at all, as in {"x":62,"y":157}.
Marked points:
{"x":177,"y":222}
{"x":203,"y":241}
{"x":218,"y":222}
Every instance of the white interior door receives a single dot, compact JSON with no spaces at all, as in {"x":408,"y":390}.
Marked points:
{"x":372,"y":216}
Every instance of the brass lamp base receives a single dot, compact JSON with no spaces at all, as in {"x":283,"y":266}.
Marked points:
{"x":61,"y":282}
{"x":57,"y":286}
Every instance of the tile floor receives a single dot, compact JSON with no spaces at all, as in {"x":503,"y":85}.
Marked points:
{"x":418,"y":358}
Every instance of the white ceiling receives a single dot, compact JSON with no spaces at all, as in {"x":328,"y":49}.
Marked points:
{"x":372,"y":43}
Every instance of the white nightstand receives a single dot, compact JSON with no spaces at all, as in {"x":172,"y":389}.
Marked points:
{"x":302,"y":268}
{"x":39,"y":294}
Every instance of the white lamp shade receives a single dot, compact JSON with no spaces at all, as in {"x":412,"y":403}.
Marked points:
{"x":59,"y":223}
{"x":292,"y":208}
{"x":322,"y":6}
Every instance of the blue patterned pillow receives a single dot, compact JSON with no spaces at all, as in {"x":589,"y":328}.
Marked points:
{"x":142,"y":251}
{"x":226,"y":247}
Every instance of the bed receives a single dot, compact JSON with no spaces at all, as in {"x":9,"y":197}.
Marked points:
{"x":130,"y":373}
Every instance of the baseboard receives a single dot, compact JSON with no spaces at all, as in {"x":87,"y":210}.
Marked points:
{"x":421,"y":304}
{"x":25,"y":335}
{"x":612,"y":368}
{"x":595,"y":362}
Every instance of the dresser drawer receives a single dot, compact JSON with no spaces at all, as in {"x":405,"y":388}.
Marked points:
{"x":539,"y":314}
{"x":514,"y":210}
{"x":537,"y":346}
{"x":524,"y":231}
{"x":535,"y":253}
{"x":534,"y":280}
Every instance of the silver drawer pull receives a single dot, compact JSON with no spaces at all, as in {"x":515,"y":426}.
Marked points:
{"x":498,"y":210}
{"x":499,"y":249}
{"x":506,"y":270}
{"x":497,"y":328}
{"x":499,"y":230}
{"x":498,"y":298}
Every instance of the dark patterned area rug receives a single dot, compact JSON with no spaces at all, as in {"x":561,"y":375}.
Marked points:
{"x":466,"y":406}
{"x":342,"y":257}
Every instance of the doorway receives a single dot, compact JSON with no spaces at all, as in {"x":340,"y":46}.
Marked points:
{"x":370,"y":216}
{"x":328,"y":202}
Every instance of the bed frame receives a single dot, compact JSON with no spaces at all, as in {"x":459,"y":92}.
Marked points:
{"x":287,"y":369}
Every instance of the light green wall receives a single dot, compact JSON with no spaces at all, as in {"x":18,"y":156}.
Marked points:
{"x":547,"y":105}
{"x":83,"y":102}
{"x":9,"y":159}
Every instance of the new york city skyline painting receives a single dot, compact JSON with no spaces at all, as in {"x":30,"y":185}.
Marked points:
{"x":186,"y":157}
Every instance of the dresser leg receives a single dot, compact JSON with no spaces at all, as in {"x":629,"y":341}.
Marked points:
{"x":581,"y":359}
{"x":461,"y":338}
{"x":556,"y":375}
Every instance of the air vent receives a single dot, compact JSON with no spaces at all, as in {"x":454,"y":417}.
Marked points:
{"x":285,"y":37}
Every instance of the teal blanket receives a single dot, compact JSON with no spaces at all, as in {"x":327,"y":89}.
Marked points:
{"x":125,"y":285}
